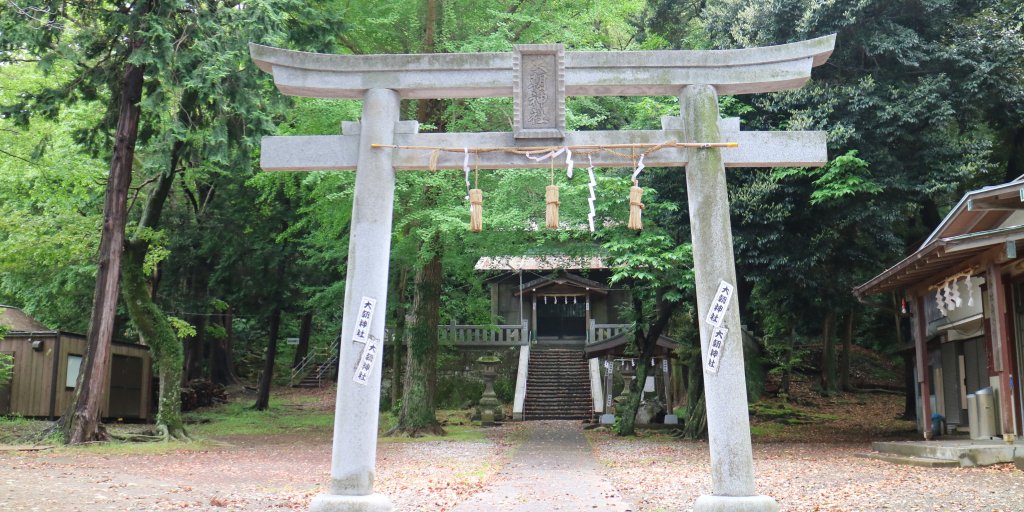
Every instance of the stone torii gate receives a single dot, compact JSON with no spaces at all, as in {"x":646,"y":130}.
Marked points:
{"x":539,"y":77}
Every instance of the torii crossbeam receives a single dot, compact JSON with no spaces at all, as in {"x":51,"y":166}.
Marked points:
{"x":538,"y":77}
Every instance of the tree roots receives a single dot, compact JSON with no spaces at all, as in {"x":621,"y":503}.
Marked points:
{"x":433,"y":429}
{"x":160,"y":434}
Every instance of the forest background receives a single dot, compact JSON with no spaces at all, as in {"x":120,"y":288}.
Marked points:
{"x":154,"y":108}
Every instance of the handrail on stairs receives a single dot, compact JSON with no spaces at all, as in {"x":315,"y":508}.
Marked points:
{"x":324,"y":359}
{"x":328,"y":354}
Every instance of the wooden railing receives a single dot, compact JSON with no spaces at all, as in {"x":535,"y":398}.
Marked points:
{"x":600,"y":332}
{"x":486,"y":335}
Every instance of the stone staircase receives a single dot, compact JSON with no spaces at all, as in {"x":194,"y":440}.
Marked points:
{"x":558,"y":385}
{"x":318,"y":375}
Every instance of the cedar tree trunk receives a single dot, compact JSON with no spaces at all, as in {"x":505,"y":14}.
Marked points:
{"x":417,"y":415}
{"x":845,"y":355}
{"x":828,"y":354}
{"x":263,"y":396}
{"x":305,"y":329}
{"x":81,"y":422}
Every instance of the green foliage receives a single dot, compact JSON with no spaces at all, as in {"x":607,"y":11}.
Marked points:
{"x":50,"y":205}
{"x":505,"y":389}
{"x":6,"y":366}
{"x":844,"y":176}
{"x":456,"y":391}
{"x":781,"y":413}
{"x":919,"y":93}
{"x":183,"y":329}
{"x":239,"y":419}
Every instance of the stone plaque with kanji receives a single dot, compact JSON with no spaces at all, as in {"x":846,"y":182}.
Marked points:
{"x":538,"y":91}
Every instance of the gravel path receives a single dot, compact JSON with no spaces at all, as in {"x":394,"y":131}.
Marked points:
{"x":553,"y":470}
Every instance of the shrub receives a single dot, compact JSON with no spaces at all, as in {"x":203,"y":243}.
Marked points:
{"x":6,"y":368}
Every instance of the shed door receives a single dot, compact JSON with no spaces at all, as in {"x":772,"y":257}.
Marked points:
{"x":125,"y":387}
{"x":5,"y":393}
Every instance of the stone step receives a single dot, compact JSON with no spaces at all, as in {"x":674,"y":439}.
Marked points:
{"x":556,"y":395}
{"x":568,"y":386}
{"x":310,"y":380}
{"x":558,"y":386}
{"x":556,"y":372}
{"x":967,"y":453}
{"x":910,"y":460}
{"x":555,"y":402}
{"x":567,"y":410}
{"x":536,"y":394}
{"x":568,"y":407}
{"x":555,"y":416}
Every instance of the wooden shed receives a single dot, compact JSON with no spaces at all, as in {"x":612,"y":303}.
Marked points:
{"x":46,"y":365}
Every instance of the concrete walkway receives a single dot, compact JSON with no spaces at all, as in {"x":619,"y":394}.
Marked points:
{"x":554,"y":469}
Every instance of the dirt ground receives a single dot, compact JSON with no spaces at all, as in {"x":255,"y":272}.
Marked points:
{"x":273,"y":473}
{"x":805,"y":467}
{"x":668,"y":476}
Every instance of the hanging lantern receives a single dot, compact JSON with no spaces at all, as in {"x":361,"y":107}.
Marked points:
{"x":635,"y":207}
{"x":476,"y":210}
{"x":551,"y":193}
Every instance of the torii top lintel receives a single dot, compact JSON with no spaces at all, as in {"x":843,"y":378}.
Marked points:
{"x":479,"y":75}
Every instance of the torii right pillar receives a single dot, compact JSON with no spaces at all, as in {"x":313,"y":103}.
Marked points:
{"x":725,"y":388}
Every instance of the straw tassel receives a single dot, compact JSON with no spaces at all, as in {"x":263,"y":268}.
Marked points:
{"x":551,"y":193}
{"x":635,"y":207}
{"x":476,"y":210}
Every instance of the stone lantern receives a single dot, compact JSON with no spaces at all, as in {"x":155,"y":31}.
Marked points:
{"x":490,"y":409}
{"x":628,"y":373}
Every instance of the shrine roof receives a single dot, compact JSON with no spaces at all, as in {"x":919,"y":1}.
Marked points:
{"x":549,"y":262}
{"x":980,"y":221}
{"x":981,"y":210}
{"x":616,"y":345}
{"x":563,"y":278}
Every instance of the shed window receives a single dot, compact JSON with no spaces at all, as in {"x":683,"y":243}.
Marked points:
{"x":74,"y":365}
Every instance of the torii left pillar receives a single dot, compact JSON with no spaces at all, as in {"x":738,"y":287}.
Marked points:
{"x":354,"y":452}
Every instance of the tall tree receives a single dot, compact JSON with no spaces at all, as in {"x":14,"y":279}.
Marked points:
{"x":81,"y":422}
{"x":182,"y":59}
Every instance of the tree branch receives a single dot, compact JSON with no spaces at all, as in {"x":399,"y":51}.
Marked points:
{"x":12,"y":155}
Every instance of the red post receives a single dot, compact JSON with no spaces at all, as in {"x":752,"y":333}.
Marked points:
{"x":923,"y":378}
{"x":1001,"y":349}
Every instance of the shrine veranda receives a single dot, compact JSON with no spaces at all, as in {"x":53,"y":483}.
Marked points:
{"x":538,"y":78}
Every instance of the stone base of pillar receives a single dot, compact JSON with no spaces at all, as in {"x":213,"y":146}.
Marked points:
{"x":342,"y":503}
{"x":708,"y":503}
